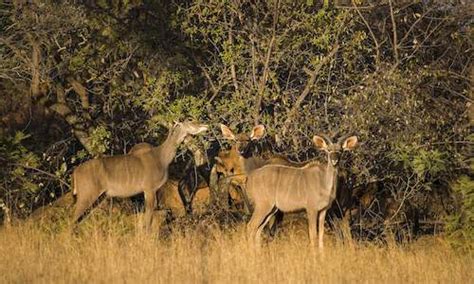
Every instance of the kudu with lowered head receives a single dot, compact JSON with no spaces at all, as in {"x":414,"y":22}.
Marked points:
{"x":236,"y":163}
{"x":312,"y":187}
{"x":144,"y":169}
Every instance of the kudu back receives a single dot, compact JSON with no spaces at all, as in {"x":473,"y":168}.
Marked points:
{"x":144,"y":169}
{"x":285,"y":188}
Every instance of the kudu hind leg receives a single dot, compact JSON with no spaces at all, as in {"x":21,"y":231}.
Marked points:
{"x":274,"y":222}
{"x":84,"y":202}
{"x":264,"y":223}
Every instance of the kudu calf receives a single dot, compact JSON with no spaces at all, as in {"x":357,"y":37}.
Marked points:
{"x":312,"y":187}
{"x":144,"y":169}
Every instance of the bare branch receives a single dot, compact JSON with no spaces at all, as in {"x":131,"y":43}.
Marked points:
{"x":15,"y":50}
{"x":63,"y":110}
{"x":309,"y":84}
{"x":371,"y":32}
{"x":232,"y":63}
{"x":81,"y":91}
{"x":264,"y":78}
{"x":62,"y":181}
{"x":394,"y":30}
{"x":35,"y":68}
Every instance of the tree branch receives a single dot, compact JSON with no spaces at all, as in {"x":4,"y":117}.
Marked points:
{"x":63,"y":110}
{"x":309,"y":84}
{"x":35,"y":68}
{"x":371,"y":32}
{"x":81,"y":91}
{"x":45,"y":173}
{"x":232,"y":63}
{"x":263,"y":80}
{"x":394,"y":30}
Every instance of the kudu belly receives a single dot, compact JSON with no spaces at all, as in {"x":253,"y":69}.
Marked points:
{"x":289,"y":198}
{"x":126,"y":187}
{"x":294,"y":197}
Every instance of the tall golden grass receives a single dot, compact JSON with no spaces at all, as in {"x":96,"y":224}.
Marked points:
{"x":206,"y":252}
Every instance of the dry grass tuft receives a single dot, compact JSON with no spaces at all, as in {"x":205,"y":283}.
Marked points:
{"x":204,"y":251}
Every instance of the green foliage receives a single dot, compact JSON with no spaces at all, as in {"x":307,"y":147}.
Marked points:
{"x":14,"y":153}
{"x":99,"y":140}
{"x":460,"y":226}
{"x":421,"y":161}
{"x":16,"y":182}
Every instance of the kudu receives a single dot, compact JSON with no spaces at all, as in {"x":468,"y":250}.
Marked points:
{"x":145,"y":170}
{"x":312,"y":187}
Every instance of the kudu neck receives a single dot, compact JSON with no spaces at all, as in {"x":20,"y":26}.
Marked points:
{"x":167,"y":150}
{"x":331,"y":173}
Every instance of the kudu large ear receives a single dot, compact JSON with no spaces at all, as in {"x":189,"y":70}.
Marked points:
{"x":319,"y":142}
{"x":176,"y":124}
{"x":228,"y":134}
{"x":257,"y":132}
{"x":349,"y":143}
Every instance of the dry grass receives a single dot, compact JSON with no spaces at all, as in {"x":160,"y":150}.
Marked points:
{"x":116,"y":252}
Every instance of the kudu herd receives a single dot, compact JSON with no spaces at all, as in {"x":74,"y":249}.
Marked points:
{"x":271,"y":183}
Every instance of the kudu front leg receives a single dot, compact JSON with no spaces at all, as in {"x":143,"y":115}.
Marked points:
{"x":322,"y":217}
{"x":258,"y":219}
{"x":312,"y":225}
{"x":150,"y":204}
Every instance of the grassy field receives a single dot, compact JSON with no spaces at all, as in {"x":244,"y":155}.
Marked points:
{"x":113,"y":251}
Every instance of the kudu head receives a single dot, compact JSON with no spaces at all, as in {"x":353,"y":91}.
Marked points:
{"x":183,"y":129}
{"x":334,"y":150}
{"x":228,"y":162}
{"x":241,"y":141}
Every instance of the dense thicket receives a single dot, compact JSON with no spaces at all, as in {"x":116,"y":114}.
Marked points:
{"x":83,"y":78}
